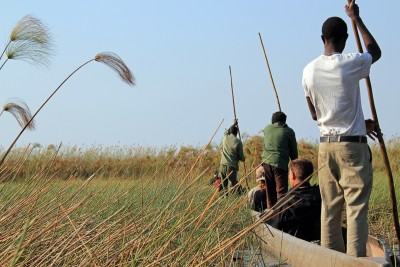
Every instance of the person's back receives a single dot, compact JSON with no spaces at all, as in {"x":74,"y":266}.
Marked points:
{"x":337,"y":101}
{"x":231,"y":149}
{"x":280,"y":145}
{"x":301,"y":215}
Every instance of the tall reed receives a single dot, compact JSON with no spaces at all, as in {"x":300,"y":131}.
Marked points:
{"x":109,"y":59}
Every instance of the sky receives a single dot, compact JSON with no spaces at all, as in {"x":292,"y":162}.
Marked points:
{"x":180,"y":53}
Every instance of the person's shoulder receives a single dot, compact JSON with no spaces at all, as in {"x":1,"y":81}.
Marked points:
{"x":288,"y":129}
{"x":359,"y":57}
{"x":311,"y":64}
{"x":310,"y":192}
{"x":268,"y":127}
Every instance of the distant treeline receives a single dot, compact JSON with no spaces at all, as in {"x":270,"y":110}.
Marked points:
{"x":130,"y":162}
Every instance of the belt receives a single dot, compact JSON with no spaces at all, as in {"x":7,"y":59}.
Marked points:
{"x":348,"y":138}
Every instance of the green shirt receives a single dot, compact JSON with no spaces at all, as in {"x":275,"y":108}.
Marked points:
{"x":231,"y":149}
{"x":279,"y":145}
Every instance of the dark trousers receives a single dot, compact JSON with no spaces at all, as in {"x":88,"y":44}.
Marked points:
{"x":276,"y":182}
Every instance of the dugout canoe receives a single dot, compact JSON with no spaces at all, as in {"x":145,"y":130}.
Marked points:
{"x":296,"y":252}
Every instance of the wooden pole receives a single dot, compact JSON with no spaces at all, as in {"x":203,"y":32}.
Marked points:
{"x":381,"y":141}
{"x":233,"y":100}
{"x":270,"y":73}
{"x":234,"y":114}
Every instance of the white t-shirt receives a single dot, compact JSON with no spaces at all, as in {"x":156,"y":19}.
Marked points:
{"x":332,"y":84}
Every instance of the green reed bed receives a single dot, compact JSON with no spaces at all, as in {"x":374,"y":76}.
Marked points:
{"x":134,"y":206}
{"x":380,"y":211}
{"x":151,"y":220}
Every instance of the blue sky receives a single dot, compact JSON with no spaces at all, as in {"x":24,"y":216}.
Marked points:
{"x":180,"y":53}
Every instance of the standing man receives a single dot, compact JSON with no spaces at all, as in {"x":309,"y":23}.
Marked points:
{"x":231,"y":149}
{"x":331,"y":85}
{"x":279,"y":146}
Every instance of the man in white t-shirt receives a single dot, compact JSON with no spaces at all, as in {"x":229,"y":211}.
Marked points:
{"x":331,"y":85}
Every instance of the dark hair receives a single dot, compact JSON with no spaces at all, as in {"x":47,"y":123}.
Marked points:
{"x":278,"y":116}
{"x":302,"y":168}
{"x":233,"y":130}
{"x":334,"y":29}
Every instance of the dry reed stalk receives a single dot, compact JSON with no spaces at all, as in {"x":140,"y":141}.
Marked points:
{"x":16,"y":165}
{"x":98,"y":226}
{"x":201,"y":153}
{"x":15,"y":209}
{"x":31,"y":241}
{"x":166,"y":257}
{"x":170,"y":203}
{"x":29,"y":41}
{"x":216,"y":191}
{"x":200,"y":238}
{"x":45,"y":229}
{"x":176,"y":227}
{"x":109,"y":59}
{"x":229,"y":210}
{"x":160,"y":234}
{"x":91,"y":255}
{"x":19,"y":166}
{"x":20,"y":110}
{"x":127,"y":230}
{"x":34,"y":179}
{"x":181,"y":227}
{"x":58,"y":248}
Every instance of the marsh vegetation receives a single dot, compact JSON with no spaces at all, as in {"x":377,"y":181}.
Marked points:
{"x":134,"y":206}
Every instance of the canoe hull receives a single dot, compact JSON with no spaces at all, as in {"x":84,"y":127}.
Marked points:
{"x":299,"y":253}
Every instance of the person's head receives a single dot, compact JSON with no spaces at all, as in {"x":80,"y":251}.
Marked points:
{"x":233,"y":130}
{"x":261,"y":182}
{"x":334,"y":31}
{"x":278,"y":116}
{"x":299,"y":170}
{"x":216,"y":174}
{"x":260,"y":172}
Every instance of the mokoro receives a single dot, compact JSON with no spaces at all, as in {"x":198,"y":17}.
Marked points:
{"x":300,"y":253}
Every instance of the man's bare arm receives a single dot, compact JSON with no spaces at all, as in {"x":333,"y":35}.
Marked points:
{"x":312,"y":108}
{"x":371,"y":45}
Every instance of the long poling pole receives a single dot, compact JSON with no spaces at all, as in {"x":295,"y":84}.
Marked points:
{"x":270,"y":73}
{"x":234,"y":114}
{"x":381,"y":141}
{"x":233,"y":100}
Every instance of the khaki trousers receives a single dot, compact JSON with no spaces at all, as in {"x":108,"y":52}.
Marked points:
{"x":346,"y":178}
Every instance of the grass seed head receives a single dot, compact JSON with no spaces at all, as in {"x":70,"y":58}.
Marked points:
{"x":30,"y":41}
{"x":21,"y":112}
{"x":118,"y":65}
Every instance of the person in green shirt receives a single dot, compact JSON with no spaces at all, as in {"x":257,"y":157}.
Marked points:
{"x":280,"y":145}
{"x":231,"y":149}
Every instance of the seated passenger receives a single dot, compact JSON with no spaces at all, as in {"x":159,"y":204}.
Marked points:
{"x":258,"y":196}
{"x":300,"y":216}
